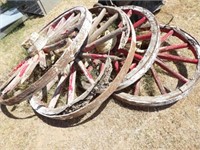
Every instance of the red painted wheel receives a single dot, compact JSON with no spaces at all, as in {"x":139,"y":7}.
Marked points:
{"x":173,"y":74}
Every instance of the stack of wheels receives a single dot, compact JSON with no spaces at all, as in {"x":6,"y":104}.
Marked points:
{"x":68,"y":60}
{"x":84,"y":56}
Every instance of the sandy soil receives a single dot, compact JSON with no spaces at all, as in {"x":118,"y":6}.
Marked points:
{"x":116,"y":126}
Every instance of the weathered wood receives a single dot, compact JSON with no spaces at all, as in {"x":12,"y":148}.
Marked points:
{"x":108,"y":91}
{"x":97,"y":21}
{"x":104,"y":27}
{"x":58,"y":67}
{"x":151,"y":51}
{"x":55,"y":113}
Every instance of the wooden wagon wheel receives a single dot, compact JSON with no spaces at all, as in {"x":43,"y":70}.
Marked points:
{"x":76,"y":35}
{"x":173,"y":74}
{"x":95,"y":52}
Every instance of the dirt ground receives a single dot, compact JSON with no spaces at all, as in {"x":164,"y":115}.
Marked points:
{"x":115,"y":126}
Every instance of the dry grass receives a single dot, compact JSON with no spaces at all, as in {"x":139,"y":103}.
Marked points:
{"x":117,"y":126}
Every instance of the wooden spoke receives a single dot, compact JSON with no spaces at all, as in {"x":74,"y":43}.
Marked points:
{"x":173,"y":47}
{"x":157,"y":80}
{"x":85,"y":71}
